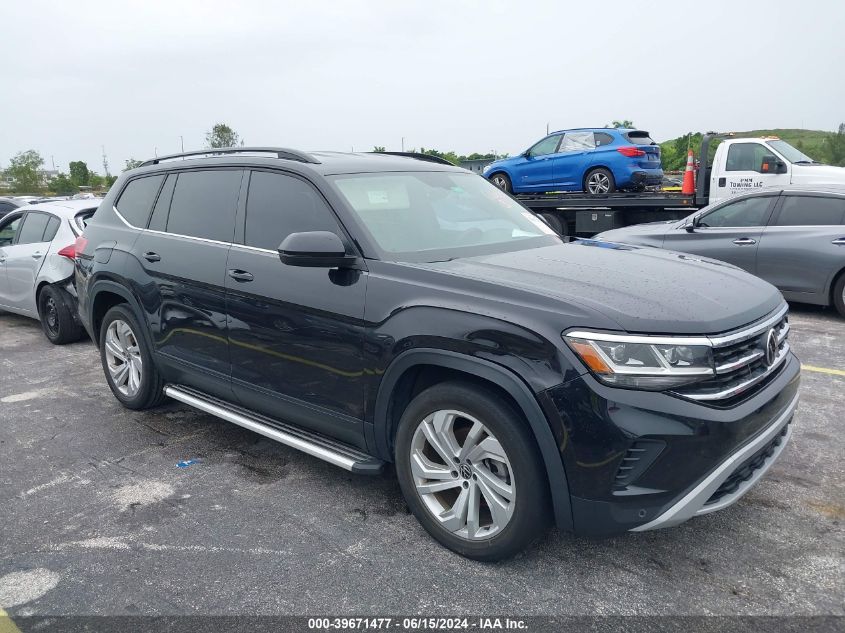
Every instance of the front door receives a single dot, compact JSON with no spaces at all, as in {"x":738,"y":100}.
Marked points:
{"x":537,"y":173}
{"x":24,"y":258}
{"x":9,"y":226}
{"x":183,"y":260}
{"x":730,"y":232}
{"x":747,"y":168}
{"x":296,"y":337}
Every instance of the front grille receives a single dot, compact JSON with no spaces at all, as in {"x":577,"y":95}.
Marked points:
{"x":742,"y":366}
{"x":746,"y":469}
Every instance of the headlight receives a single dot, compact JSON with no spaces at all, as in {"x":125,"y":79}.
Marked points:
{"x":643,"y":362}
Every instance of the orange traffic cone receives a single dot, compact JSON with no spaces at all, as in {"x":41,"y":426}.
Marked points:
{"x":689,"y":176}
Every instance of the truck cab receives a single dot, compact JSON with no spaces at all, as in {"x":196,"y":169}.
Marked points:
{"x":743,"y":165}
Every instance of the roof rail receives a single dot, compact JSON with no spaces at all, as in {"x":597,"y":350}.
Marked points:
{"x":280,"y":152}
{"x":419,"y":156}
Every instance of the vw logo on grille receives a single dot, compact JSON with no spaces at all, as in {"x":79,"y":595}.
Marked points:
{"x":771,"y":347}
{"x":466,"y":473}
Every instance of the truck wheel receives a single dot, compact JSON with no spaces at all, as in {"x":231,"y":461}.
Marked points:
{"x":839,"y":294}
{"x":56,"y":317}
{"x":502,"y":182}
{"x":554,"y":222}
{"x":470,"y":471}
{"x":127,"y":361}
{"x":599,"y":181}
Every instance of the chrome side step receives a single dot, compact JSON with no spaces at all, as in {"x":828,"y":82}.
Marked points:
{"x":327,"y":449}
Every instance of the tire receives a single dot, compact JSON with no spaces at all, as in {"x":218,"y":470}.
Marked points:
{"x":502,"y":181}
{"x":599,"y":181}
{"x":122,"y":342}
{"x":459,"y":409}
{"x":554,"y":222}
{"x":56,"y":316}
{"x":839,"y":294}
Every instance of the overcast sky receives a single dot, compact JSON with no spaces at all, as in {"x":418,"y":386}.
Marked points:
{"x":464,"y":76}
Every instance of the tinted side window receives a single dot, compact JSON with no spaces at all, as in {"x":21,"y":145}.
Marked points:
{"x":8,"y":230}
{"x":136,"y":201}
{"x":278,"y":205}
{"x":747,"y":212}
{"x":52,"y":229}
{"x":811,"y":211}
{"x":33,"y":227}
{"x":204,"y":204}
{"x":602,"y":139}
{"x":158,"y":220}
{"x":547,"y":146}
{"x":5,"y":207}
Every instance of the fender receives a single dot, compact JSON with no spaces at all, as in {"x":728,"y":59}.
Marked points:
{"x":106,"y":285}
{"x":518,"y":390}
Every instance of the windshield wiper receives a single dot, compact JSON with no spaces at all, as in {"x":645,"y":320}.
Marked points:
{"x":806,"y":162}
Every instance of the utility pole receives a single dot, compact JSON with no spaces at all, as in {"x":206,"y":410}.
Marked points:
{"x":403,"y":143}
{"x":182,"y":142}
{"x":105,"y":162}
{"x":53,"y":162}
{"x":547,"y":129}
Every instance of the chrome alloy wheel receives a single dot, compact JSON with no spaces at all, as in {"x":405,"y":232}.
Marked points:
{"x":123,"y":358}
{"x":598,"y":183}
{"x":501,"y":182}
{"x":462,"y":474}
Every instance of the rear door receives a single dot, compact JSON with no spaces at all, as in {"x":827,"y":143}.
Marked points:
{"x":8,"y":233}
{"x":574,"y":154}
{"x":182,"y":257}
{"x":538,"y":172}
{"x":296,"y":333}
{"x":730,"y":232}
{"x":804,"y":245}
{"x":25,"y":257}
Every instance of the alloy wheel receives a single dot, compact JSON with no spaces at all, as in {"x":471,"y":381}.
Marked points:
{"x":123,"y":358}
{"x":598,"y":183}
{"x":462,"y":474}
{"x":501,"y":182}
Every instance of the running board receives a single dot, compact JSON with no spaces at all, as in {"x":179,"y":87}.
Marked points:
{"x":327,"y":449}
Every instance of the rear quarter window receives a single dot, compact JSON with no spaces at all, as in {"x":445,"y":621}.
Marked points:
{"x":136,"y":201}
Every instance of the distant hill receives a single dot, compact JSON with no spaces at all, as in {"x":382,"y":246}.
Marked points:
{"x":814,"y":143}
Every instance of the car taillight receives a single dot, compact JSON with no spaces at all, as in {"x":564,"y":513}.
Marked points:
{"x":630,"y":152}
{"x":77,"y":247}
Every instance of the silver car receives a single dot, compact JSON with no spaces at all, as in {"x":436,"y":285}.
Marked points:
{"x":794,"y":238}
{"x":37,"y":251}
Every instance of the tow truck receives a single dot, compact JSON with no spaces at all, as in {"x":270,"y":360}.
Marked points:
{"x":740,"y":165}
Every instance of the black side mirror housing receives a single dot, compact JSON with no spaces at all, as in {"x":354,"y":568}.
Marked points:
{"x":315,"y":249}
{"x":772,"y":165}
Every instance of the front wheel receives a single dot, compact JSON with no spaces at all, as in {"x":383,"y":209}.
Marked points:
{"x":599,"y":181}
{"x":839,"y":294}
{"x":502,"y":182}
{"x":470,"y":471}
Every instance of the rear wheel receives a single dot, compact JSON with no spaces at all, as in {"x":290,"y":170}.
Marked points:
{"x":502,"y":182}
{"x":56,"y":316}
{"x":470,"y":471}
{"x":555,"y":223}
{"x":127,"y":361}
{"x":599,"y":181}
{"x":839,"y":294}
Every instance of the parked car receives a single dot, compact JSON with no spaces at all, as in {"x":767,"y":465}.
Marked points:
{"x":367,"y":308}
{"x":597,"y":161}
{"x":793,"y":237}
{"x":36,"y":264}
{"x":9,"y":204}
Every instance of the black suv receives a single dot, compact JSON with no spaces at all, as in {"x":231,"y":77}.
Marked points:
{"x":369,"y":308}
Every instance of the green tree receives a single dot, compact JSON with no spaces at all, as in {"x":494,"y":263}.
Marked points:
{"x":110,"y":181}
{"x":221,"y":135}
{"x":62,"y":185}
{"x":379,"y":149}
{"x":835,"y":147}
{"x":132,"y":163}
{"x":23,"y":171}
{"x":96,"y":180}
{"x":625,"y":123}
{"x":79,"y":174}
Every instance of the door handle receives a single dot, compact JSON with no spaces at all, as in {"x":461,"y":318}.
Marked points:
{"x":744,"y":241}
{"x":2,"y":259}
{"x":152,"y":257}
{"x":240,"y":275}
{"x":839,"y":241}
{"x":37,"y":255}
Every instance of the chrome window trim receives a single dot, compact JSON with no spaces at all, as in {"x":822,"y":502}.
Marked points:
{"x":154,"y":231}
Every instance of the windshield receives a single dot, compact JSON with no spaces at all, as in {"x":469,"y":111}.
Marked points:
{"x":790,"y":153}
{"x":438,"y":216}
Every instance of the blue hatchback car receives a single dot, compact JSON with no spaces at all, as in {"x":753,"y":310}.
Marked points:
{"x":594,"y":160}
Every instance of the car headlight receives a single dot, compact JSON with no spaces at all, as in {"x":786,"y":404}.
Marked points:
{"x":643,"y":362}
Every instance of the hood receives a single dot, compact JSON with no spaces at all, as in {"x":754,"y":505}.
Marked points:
{"x":649,"y":234}
{"x":817,"y":175}
{"x":644,"y":290}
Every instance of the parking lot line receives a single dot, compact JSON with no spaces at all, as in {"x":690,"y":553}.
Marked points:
{"x":823,"y":370}
{"x":7,"y":625}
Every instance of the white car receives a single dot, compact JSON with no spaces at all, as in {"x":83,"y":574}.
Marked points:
{"x":37,"y":251}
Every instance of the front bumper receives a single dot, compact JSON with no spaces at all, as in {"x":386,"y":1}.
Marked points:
{"x":684,"y":452}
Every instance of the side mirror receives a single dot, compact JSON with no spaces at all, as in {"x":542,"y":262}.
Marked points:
{"x":772,"y":165}
{"x":690,"y":226}
{"x":315,"y":249}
